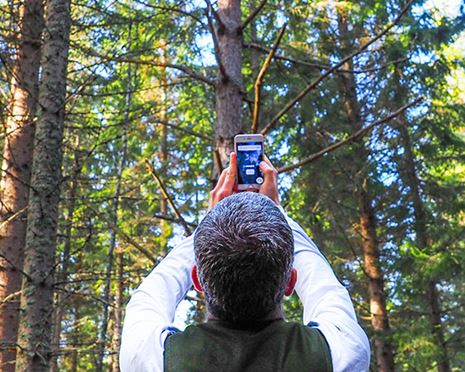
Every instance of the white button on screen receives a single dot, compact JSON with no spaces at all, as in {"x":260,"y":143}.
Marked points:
{"x":250,"y":172}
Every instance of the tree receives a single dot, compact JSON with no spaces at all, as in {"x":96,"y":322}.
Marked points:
{"x":16,"y":171}
{"x":34,"y":350}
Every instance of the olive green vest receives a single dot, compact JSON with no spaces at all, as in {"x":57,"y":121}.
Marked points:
{"x":276,"y":345}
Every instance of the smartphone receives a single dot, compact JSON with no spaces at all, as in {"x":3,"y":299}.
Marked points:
{"x":249,"y":150}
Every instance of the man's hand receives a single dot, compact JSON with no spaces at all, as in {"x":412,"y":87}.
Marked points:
{"x":270,"y":185}
{"x":226,"y":184}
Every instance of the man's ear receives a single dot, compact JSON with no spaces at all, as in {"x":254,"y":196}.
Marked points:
{"x":195,"y":279}
{"x":291,"y":283}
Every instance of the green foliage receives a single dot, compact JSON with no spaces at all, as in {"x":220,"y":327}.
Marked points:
{"x":120,"y":95}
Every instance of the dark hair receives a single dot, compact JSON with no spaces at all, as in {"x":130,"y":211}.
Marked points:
{"x":244,"y":252}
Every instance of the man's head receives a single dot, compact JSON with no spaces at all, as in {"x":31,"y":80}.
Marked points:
{"x":244,"y":254}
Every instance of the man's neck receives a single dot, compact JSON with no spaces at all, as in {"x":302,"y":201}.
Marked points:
{"x":275,"y":314}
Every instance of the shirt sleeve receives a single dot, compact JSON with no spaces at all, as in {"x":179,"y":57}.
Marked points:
{"x":328,"y":306}
{"x":150,"y":312}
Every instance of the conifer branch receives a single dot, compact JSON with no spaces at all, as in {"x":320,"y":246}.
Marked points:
{"x":167,"y":197}
{"x":328,"y":72}
{"x":361,"y":132}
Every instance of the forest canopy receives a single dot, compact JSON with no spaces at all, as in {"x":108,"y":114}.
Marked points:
{"x":118,"y":116}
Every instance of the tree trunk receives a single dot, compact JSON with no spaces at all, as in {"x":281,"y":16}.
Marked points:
{"x":367,"y":220}
{"x":379,"y":316}
{"x":34,"y":351}
{"x":63,"y":275}
{"x":422,"y":237}
{"x":116,"y":339}
{"x":165,"y":229}
{"x":229,"y":85}
{"x":16,"y":173}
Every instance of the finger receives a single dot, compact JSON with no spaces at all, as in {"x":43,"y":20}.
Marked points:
{"x":266,"y":160}
{"x":221,"y":180}
{"x":230,"y":178}
{"x":269,"y":174}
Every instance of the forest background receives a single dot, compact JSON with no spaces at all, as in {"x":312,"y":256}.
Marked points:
{"x":117,"y":117}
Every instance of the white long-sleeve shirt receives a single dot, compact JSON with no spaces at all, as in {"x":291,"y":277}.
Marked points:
{"x":150,"y":312}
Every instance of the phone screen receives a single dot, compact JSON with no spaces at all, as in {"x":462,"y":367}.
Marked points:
{"x":249,"y":156}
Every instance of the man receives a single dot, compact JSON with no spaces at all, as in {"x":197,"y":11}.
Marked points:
{"x":244,"y":252}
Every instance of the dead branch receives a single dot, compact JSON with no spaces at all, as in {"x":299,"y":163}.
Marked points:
{"x":182,"y":129}
{"x":261,"y":75}
{"x":171,"y":219}
{"x":351,"y":138}
{"x":125,"y":237}
{"x":10,"y":297}
{"x":13,"y":217}
{"x":252,"y":15}
{"x":167,"y":197}
{"x":328,"y":72}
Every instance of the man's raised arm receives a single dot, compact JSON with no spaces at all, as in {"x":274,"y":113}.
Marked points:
{"x":150,"y":312}
{"x":327,"y":305}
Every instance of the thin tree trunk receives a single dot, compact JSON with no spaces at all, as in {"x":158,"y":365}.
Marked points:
{"x":34,"y":351}
{"x":63,"y":275}
{"x":422,"y":237}
{"x":367,"y":220}
{"x":16,"y":172}
{"x":165,"y":230}
{"x":379,"y":316}
{"x":229,"y":84}
{"x":116,"y":339}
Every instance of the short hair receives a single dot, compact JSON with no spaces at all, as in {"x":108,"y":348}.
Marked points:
{"x":244,"y":251}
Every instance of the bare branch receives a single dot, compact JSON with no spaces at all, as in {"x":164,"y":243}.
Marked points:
{"x":172,"y":219}
{"x":314,"y":83}
{"x":252,"y":15}
{"x":361,"y":132}
{"x":12,"y":217}
{"x":125,"y":237}
{"x":182,"y":129}
{"x":261,"y":75}
{"x":10,"y":297}
{"x":167,"y":197}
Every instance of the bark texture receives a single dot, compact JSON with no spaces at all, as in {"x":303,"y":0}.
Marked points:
{"x":34,"y":351}
{"x":15,"y":174}
{"x":229,"y":85}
